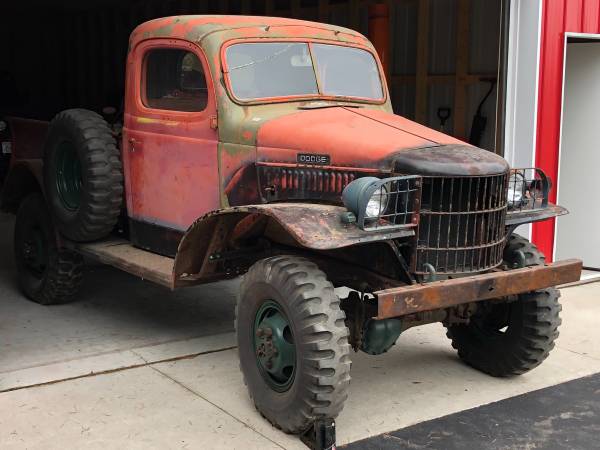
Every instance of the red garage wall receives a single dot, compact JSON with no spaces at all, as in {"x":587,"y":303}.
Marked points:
{"x":558,"y":17}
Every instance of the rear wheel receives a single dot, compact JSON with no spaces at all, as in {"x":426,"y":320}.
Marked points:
{"x":292,"y":343}
{"x":511,"y":336}
{"x":83,"y":175}
{"x":47,"y":275}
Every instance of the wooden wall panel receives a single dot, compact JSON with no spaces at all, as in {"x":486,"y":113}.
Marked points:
{"x":86,"y":66}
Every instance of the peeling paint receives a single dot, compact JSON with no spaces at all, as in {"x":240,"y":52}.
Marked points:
{"x":149,"y":120}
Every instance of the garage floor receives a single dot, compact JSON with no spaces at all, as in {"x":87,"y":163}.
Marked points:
{"x":132,"y":365}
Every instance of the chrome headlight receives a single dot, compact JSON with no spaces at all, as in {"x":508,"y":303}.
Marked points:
{"x":528,"y":188}
{"x":356,"y":196}
{"x":517,"y":186}
{"x":383,"y":203}
{"x":377,"y":204}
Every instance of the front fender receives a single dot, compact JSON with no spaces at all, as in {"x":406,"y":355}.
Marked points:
{"x":305,"y":225}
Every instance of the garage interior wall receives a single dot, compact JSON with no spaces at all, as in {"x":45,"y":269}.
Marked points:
{"x":444,"y":53}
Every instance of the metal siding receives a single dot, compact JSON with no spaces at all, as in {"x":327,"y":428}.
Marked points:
{"x":573,"y":16}
{"x":591,"y":13}
{"x":475,"y":93}
{"x":404,"y":35}
{"x":403,"y":100}
{"x":339,"y":15}
{"x":484,"y":30}
{"x":558,"y":17}
{"x":442,"y":37}
{"x":440,"y":96}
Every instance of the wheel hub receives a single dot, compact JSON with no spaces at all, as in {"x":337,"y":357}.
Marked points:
{"x":274,"y":346}
{"x":34,"y":251}
{"x":69,"y":178}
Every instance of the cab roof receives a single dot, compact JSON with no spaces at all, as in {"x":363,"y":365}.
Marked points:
{"x":198,"y":28}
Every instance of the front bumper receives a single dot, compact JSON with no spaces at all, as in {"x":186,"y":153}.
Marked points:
{"x":400,"y":301}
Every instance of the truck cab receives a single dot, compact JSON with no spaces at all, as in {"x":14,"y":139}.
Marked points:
{"x":216,"y":102}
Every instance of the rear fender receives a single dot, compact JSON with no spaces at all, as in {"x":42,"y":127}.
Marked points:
{"x":305,"y":226}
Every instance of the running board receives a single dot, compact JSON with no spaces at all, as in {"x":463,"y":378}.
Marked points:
{"x":121,"y":254}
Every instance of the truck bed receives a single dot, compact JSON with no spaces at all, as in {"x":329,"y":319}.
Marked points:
{"x":121,"y":254}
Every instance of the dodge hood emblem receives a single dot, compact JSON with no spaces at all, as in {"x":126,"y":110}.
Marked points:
{"x":311,"y":158}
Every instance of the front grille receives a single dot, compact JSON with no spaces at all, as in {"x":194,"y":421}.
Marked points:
{"x":301,"y":183}
{"x":461,"y":224}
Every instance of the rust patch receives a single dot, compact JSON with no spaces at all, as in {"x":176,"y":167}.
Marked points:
{"x":306,"y":225}
{"x":405,"y":300}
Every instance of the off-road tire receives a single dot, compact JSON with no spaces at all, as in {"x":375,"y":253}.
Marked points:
{"x":61,"y":277}
{"x":516,"y":244}
{"x":532,"y":320}
{"x":101,"y":185}
{"x":320,"y":385}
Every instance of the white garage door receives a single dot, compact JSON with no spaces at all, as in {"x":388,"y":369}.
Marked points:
{"x":578,"y":234}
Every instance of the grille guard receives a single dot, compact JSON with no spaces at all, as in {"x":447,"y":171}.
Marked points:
{"x":528,"y":189}
{"x":462,"y":224}
{"x":534,"y":207}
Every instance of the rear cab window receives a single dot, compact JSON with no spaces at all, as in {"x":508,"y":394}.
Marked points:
{"x":174,"y":80}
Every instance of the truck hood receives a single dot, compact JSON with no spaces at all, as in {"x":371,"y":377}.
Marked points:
{"x":372,"y":139}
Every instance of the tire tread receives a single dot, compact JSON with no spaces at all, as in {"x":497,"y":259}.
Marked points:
{"x":102,"y":171}
{"x":324,"y":338}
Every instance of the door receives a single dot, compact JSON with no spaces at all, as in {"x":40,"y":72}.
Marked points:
{"x":169,"y":135}
{"x":577,"y":233}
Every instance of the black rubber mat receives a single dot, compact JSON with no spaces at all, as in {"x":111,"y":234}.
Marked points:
{"x":565,"y":416}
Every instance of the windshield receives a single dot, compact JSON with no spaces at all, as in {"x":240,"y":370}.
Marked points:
{"x":279,"y":69}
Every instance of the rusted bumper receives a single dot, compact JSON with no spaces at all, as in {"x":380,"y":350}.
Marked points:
{"x":400,"y":301}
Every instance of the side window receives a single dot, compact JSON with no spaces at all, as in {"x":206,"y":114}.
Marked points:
{"x":174,"y":81}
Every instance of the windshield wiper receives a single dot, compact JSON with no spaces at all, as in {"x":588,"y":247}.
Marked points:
{"x":322,"y":105}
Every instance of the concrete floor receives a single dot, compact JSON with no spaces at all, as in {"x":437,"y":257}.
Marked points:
{"x":131,"y":365}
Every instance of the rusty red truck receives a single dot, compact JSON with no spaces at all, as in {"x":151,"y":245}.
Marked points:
{"x":268,"y":148}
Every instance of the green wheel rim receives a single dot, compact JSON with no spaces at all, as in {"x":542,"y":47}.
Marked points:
{"x":68,"y":176}
{"x":35,"y":251}
{"x":274,"y":346}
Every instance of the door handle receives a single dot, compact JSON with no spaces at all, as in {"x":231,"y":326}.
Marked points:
{"x":133,"y":144}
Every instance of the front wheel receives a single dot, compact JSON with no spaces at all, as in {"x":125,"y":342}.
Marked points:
{"x":292,"y":343}
{"x":511,"y":336}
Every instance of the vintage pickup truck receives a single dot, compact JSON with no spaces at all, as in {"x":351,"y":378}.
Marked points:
{"x":267,"y":147}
